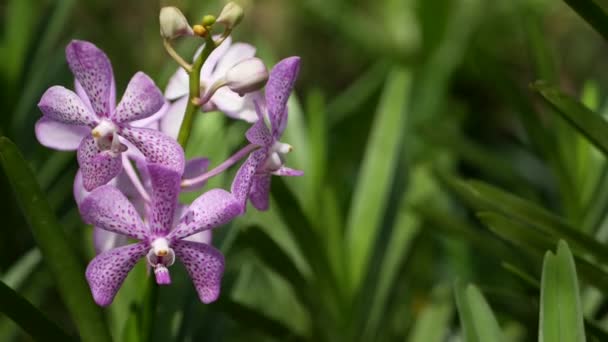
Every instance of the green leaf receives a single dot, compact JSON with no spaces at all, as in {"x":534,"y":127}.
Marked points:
{"x":590,"y":124}
{"x":484,"y":197}
{"x":30,"y":319}
{"x":561,"y":317}
{"x":58,"y":254}
{"x":433,"y":323}
{"x":476,"y":316}
{"x":376,"y":174}
{"x":593,"y":13}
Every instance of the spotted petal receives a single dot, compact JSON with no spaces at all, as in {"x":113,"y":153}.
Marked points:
{"x":93,"y":70}
{"x":241,"y":185}
{"x":165,"y":189}
{"x":97,"y":167}
{"x":106,"y":273}
{"x":286,"y":171}
{"x":63,"y":105}
{"x":258,"y":134}
{"x":260,"y":191}
{"x":141,"y":99}
{"x":204,"y":264}
{"x":280,"y":84}
{"x":214,"y":208}
{"x":156,"y":147}
{"x":60,"y":136}
{"x":107,"y":208}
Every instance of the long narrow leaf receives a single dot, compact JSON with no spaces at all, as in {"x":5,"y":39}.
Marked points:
{"x":30,"y":319}
{"x":57,"y":253}
{"x":376,"y":175}
{"x":478,"y":321}
{"x":561,"y":317}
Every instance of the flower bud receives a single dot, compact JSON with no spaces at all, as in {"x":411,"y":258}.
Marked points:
{"x":231,"y":15}
{"x":173,"y":23}
{"x":247,"y":76}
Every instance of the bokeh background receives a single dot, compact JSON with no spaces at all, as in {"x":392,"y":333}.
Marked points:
{"x":397,"y":101}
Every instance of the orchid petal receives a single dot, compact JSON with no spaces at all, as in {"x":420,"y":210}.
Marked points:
{"x":241,"y":185}
{"x":204,"y":264}
{"x":141,"y":100}
{"x":165,"y":189}
{"x":214,"y":208}
{"x":59,"y":136}
{"x":153,"y":120}
{"x":97,"y":167}
{"x":258,"y":134}
{"x":194,"y":168}
{"x":104,"y":240}
{"x":172,"y":121}
{"x":107,"y":271}
{"x":93,"y":70}
{"x":234,"y":105}
{"x":235,"y":53}
{"x":260,"y":191}
{"x":208,"y":68}
{"x":156,"y":147}
{"x":280,"y":84}
{"x":178,"y":85}
{"x":206,"y":236}
{"x":63,"y":105}
{"x":107,"y":208}
{"x":286,"y":171}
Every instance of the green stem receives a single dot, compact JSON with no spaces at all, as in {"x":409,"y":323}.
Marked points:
{"x":195,"y":91}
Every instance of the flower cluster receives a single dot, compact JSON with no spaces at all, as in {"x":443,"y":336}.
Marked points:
{"x":132,"y":167}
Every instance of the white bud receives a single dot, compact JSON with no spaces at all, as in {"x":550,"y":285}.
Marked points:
{"x":173,"y":23}
{"x":231,"y":15}
{"x":247,"y":76}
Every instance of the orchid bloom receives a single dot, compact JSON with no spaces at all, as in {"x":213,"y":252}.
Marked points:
{"x":137,"y":192}
{"x":91,"y":121}
{"x":107,"y":208}
{"x":252,"y":180}
{"x":215,"y":68}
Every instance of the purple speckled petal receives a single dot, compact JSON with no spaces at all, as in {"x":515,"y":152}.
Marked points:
{"x":214,"y":208}
{"x":205,"y":265}
{"x":106,"y":273}
{"x":172,"y":121}
{"x":165,"y":189}
{"x":104,"y":240}
{"x":234,"y":105}
{"x":141,"y":99}
{"x":156,"y":147}
{"x":93,"y":70}
{"x":60,"y":136}
{"x":63,"y":105}
{"x":97,"y":167}
{"x":289,"y":172}
{"x":235,"y":53}
{"x":280,"y":84}
{"x":153,"y":120}
{"x":178,"y":85}
{"x":241,"y":185}
{"x":258,"y":134}
{"x":260,"y":191}
{"x":194,"y":168}
{"x":107,"y":208}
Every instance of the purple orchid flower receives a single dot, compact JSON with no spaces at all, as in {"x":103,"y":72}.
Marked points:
{"x":107,"y":208}
{"x":135,"y":185}
{"x":215,"y":68}
{"x":253,"y":177}
{"x":91,"y":119}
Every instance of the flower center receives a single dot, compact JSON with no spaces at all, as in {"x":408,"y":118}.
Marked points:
{"x":277,"y":154}
{"x":106,"y":137}
{"x":160,"y":257}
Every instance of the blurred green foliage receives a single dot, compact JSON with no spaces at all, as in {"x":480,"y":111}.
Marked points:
{"x":400,"y":103}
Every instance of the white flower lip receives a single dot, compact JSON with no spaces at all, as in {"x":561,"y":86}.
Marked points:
{"x":247,"y":76}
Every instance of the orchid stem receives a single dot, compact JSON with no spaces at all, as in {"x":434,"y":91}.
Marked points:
{"x":176,"y":56}
{"x":197,"y":181}
{"x":195,"y":91}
